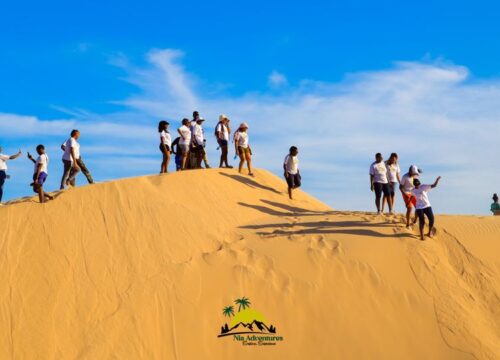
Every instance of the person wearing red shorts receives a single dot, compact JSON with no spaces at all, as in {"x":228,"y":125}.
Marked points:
{"x":406,"y":186}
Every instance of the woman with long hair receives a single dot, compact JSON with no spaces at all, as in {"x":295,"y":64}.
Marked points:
{"x":165,"y":145}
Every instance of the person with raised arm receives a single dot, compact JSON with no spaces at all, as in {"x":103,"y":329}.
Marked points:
{"x":423,"y":206}
{"x":41,"y":173}
{"x":3,"y":168}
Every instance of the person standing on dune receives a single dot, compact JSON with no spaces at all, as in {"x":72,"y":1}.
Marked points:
{"x":3,"y":169}
{"x":423,"y":207}
{"x":495,"y":207}
{"x":406,"y":186}
{"x":71,"y":153}
{"x":378,"y":181}
{"x":199,"y":141}
{"x":242,"y":146}
{"x":178,"y":154}
{"x":291,"y":167}
{"x":394,"y":177}
{"x":193,"y":158}
{"x":184,"y":142}
{"x":222,"y":133}
{"x":165,"y":145}
{"x":40,"y":174}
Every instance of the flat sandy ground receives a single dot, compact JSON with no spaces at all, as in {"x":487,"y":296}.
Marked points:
{"x":142,"y":268}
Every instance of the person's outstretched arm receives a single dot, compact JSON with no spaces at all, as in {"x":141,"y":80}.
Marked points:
{"x":31,"y":157}
{"x":436,"y":182}
{"x":15,"y":156}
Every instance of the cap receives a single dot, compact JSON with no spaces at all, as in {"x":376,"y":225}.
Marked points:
{"x":222,"y":117}
{"x":414,"y":170}
{"x":243,"y":125}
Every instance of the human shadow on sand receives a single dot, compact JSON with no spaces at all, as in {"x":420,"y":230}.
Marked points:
{"x":323,"y":231}
{"x":274,"y":212}
{"x":252,"y":183}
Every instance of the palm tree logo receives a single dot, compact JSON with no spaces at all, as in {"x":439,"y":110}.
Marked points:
{"x":228,"y":311}
{"x":243,"y":302}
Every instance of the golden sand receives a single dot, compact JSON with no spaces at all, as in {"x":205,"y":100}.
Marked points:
{"x":142,"y":268}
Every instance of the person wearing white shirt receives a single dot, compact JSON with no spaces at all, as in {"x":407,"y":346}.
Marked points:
{"x":3,"y":168}
{"x":378,"y":181}
{"x":199,"y":142}
{"x":423,"y":207}
{"x":83,"y":168}
{"x":165,"y":145}
{"x":41,"y":173}
{"x":222,"y":132}
{"x":292,"y":173}
{"x":242,"y":146}
{"x":71,"y":154}
{"x":406,"y":186}
{"x":393,"y":177}
{"x":184,"y":142}
{"x":193,"y":156}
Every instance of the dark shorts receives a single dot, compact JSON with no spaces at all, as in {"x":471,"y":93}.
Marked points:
{"x":161,"y":148}
{"x":200,"y":150}
{"x":184,"y":148}
{"x":41,"y":178}
{"x":222,"y":142}
{"x":294,"y":181}
{"x":381,"y":189}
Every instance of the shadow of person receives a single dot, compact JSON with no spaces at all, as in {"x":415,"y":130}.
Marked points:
{"x":252,"y":183}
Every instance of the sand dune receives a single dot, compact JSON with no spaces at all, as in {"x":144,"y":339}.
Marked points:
{"x":142,"y":268}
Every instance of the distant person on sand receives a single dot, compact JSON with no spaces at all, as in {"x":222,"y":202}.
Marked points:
{"x":199,"y":141}
{"x":222,"y":133}
{"x":406,"y":186}
{"x":394,"y":177}
{"x":423,"y":207}
{"x":40,"y":174}
{"x":291,"y":167}
{"x":196,"y":153}
{"x":178,"y":153}
{"x":184,"y":142}
{"x":3,"y":168}
{"x":495,"y":207}
{"x":243,"y":150}
{"x":379,"y":182}
{"x":165,"y":145}
{"x":71,"y":150}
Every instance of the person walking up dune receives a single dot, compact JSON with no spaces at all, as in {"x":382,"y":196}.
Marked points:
{"x":165,"y":145}
{"x":41,"y":173}
{"x":423,"y":207}
{"x":495,"y":207}
{"x":184,"y":142}
{"x":378,"y":181}
{"x":406,"y":186}
{"x":394,"y":178}
{"x":292,"y":173}
{"x":243,"y":149}
{"x":3,"y":168}
{"x":81,"y":165}
{"x":71,"y":150}
{"x":222,"y":133}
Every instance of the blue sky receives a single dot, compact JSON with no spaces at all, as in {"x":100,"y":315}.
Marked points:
{"x":419,"y":79}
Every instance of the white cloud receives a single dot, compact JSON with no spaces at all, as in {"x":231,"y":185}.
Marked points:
{"x":276,"y":79}
{"x":432,"y":114}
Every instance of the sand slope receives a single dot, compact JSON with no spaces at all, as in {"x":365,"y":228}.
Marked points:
{"x":141,"y":268}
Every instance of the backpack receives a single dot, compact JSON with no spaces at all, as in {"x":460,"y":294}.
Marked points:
{"x":215,"y":131}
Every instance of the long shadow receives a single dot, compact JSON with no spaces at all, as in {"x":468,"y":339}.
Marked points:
{"x":316,"y":231}
{"x":270,"y":211}
{"x":320,"y":224}
{"x":250,"y":182}
{"x":293,"y":208}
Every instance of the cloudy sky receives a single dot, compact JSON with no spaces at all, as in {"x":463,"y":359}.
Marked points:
{"x":335,"y":80}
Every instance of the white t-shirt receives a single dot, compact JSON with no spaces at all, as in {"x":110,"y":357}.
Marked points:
{"x":407,"y":182}
{"x":3,"y":161}
{"x":291,"y":164}
{"x":393,"y":171}
{"x":421,"y":195}
{"x":242,"y":138}
{"x":71,"y":143}
{"x":379,"y":172}
{"x":44,"y":161}
{"x":221,"y":128}
{"x":186,"y":135}
{"x":198,"y":134}
{"x":166,"y":139}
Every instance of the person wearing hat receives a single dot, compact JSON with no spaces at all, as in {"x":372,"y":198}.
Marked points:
{"x":222,"y":132}
{"x":423,"y":206}
{"x":495,"y":207}
{"x":193,"y":156}
{"x":184,"y":142}
{"x":3,"y":168}
{"x":199,"y":142}
{"x":406,"y":186}
{"x":378,"y":182}
{"x":242,"y":146}
{"x":165,"y":145}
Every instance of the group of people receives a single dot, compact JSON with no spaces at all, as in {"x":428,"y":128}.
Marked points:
{"x":385,"y":178}
{"x":189,"y":146}
{"x":72,"y":165}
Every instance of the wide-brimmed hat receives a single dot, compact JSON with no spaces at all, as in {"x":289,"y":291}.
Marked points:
{"x":243,"y":125}
{"x":222,"y":117}
{"x":200,"y":119}
{"x":414,"y":170}
{"x":495,"y":197}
